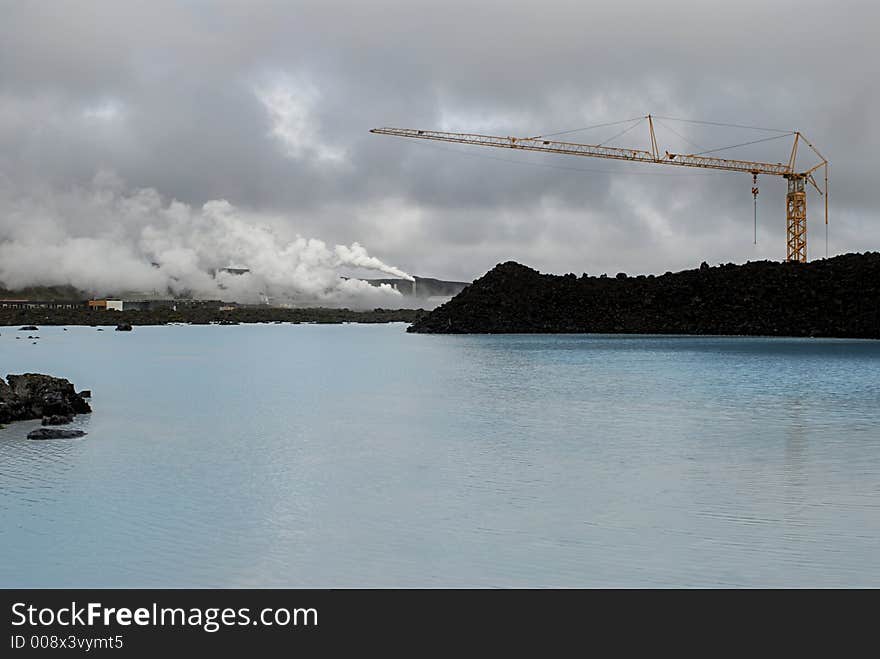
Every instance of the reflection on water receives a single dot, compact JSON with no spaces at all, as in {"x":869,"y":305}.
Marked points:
{"x":281,"y":455}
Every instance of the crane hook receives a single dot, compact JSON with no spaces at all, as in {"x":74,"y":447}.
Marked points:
{"x":755,"y":201}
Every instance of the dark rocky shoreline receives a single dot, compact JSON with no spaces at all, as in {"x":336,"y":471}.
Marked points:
{"x":37,"y":396}
{"x":204,"y":316}
{"x":836,"y":297}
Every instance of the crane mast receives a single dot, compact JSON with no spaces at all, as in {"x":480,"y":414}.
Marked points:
{"x":796,"y":198}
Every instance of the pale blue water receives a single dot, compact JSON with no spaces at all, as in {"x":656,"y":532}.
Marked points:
{"x":280,"y":455}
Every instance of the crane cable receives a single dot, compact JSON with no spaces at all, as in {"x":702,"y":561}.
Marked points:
{"x":623,"y":132}
{"x":826,"y":208}
{"x":577,"y":130}
{"x":718,"y":123}
{"x":734,"y":146}
{"x":671,"y":129}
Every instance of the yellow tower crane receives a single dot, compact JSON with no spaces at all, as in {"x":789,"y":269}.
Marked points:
{"x":796,"y":198}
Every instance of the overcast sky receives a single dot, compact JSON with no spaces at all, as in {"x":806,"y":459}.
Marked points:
{"x":267,"y":105}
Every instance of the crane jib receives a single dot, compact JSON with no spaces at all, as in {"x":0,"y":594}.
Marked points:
{"x":596,"y":151}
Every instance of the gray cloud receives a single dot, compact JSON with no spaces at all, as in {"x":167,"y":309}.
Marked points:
{"x":268,"y":105}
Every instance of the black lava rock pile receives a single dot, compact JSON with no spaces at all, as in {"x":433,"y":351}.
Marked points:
{"x":836,"y":297}
{"x":36,"y":396}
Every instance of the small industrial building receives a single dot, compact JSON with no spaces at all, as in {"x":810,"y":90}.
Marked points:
{"x":105,"y":305}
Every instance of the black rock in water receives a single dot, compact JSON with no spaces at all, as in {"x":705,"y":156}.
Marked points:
{"x":123,"y":327}
{"x":33,"y":396}
{"x":836,"y":297}
{"x":85,"y":393}
{"x":29,"y":328}
{"x":57,"y":419}
{"x":54,"y":433}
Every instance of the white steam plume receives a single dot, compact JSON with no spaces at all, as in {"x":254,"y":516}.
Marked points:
{"x":106,"y":239}
{"x":357,"y":256}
